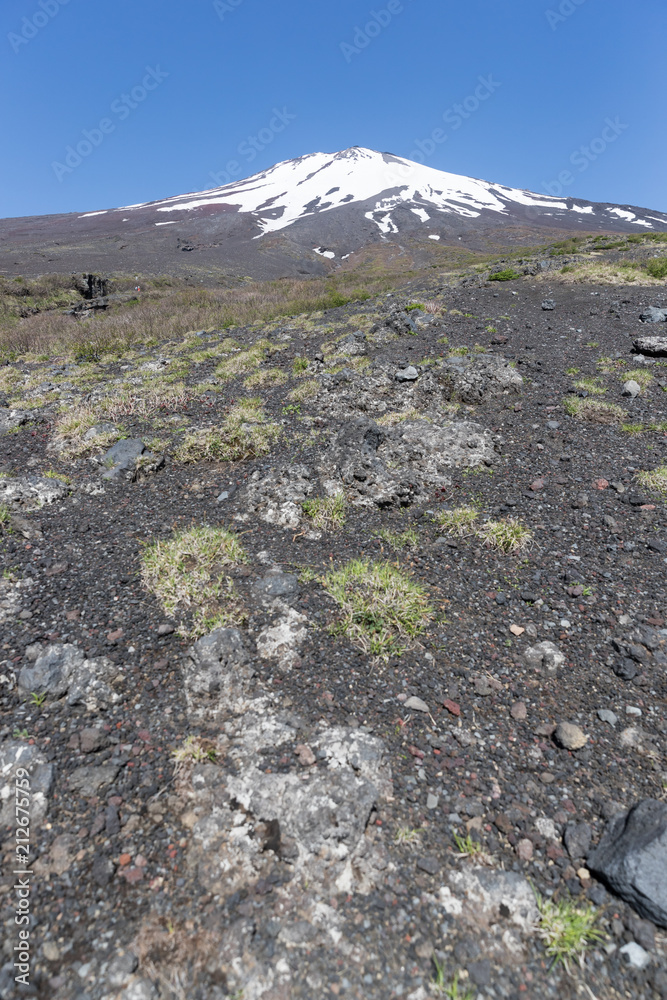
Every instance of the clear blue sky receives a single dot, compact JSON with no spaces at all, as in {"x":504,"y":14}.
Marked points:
{"x":218,"y":75}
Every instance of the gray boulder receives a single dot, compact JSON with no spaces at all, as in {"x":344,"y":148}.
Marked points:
{"x":121,"y":458}
{"x":275,"y":584}
{"x":217,"y":674}
{"x":546,"y":656}
{"x":11,"y":419}
{"x":32,"y":491}
{"x":653,"y":315}
{"x":63,"y":670}
{"x":477,"y":379}
{"x":631,"y":859}
{"x":18,"y":753}
{"x":654,"y":346}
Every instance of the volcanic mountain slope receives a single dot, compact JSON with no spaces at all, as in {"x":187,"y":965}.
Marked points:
{"x":306,"y":216}
{"x":335,"y":650}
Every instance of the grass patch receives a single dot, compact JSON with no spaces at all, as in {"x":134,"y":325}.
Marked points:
{"x":467,"y":847}
{"x":382,"y":607}
{"x":654,"y":480}
{"x":460,"y":521}
{"x":187,"y":574}
{"x":307,"y":390}
{"x":507,"y":535}
{"x":638,"y":375}
{"x":633,"y":428}
{"x":245,"y":433}
{"x":408,"y":539}
{"x":568,"y":930}
{"x":591,"y":385}
{"x":267,"y":376}
{"x":5,"y":517}
{"x":594,"y":410}
{"x":509,"y":274}
{"x":326,"y":513}
{"x":300,"y":365}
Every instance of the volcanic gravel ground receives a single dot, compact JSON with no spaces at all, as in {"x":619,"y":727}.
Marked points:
{"x":112,"y":858}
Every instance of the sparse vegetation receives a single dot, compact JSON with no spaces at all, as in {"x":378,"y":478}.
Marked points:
{"x":193,"y":750}
{"x":382,"y":607}
{"x":509,"y":274}
{"x":568,"y":930}
{"x":5,"y":517}
{"x":655,"y":479}
{"x":187,"y":575}
{"x":408,"y":539}
{"x":452,"y":991}
{"x":507,"y":535}
{"x":307,"y":390}
{"x":459,"y":521}
{"x":326,"y":513}
{"x":594,"y":410}
{"x":592,"y":386}
{"x":245,"y":433}
{"x":641,"y":376}
{"x":407,"y":835}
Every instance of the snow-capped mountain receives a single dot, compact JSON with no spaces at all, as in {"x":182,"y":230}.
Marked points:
{"x":309,"y":214}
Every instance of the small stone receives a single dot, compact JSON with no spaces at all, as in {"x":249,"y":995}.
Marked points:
{"x":548,"y":305}
{"x":429,"y":864}
{"x":570,"y":737}
{"x":417,"y":705}
{"x":631,"y":388}
{"x":577,"y":839}
{"x":432,"y":801}
{"x":633,"y":710}
{"x":165,"y":629}
{"x":524,"y":849}
{"x":517,"y":630}
{"x":452,"y":706}
{"x":409,"y":374}
{"x":305,"y":755}
{"x":518,"y":711}
{"x":635,"y":955}
{"x":606,"y":715}
{"x":51,"y":951}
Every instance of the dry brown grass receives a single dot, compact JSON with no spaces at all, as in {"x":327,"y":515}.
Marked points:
{"x":170,"y":313}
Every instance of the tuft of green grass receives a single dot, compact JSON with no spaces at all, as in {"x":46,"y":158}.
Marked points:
{"x":5,"y":517}
{"x":307,"y":390}
{"x":60,"y":476}
{"x":408,"y":539}
{"x":245,"y":433}
{"x":265,"y":376}
{"x":633,"y":428}
{"x":594,"y":410}
{"x":657,"y":268}
{"x":37,"y":699}
{"x":591,"y":385}
{"x":572,"y":371}
{"x":300,"y":365}
{"x":407,"y":835}
{"x":382,"y":607}
{"x":509,"y":274}
{"x":460,"y":521}
{"x":452,"y":991}
{"x":656,"y":479}
{"x":327,"y":513}
{"x":467,"y":846}
{"x":507,"y":535}
{"x":638,"y":375}
{"x":568,"y":930}
{"x":187,"y":574}
{"x":193,"y":750}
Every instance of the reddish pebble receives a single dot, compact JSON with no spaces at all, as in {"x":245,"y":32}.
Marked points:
{"x":539,"y":484}
{"x":416,"y":752}
{"x":452,"y":707}
{"x":132,"y":875}
{"x":600,"y":484}
{"x":524,"y":849}
{"x":124,"y":859}
{"x":519,"y":711}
